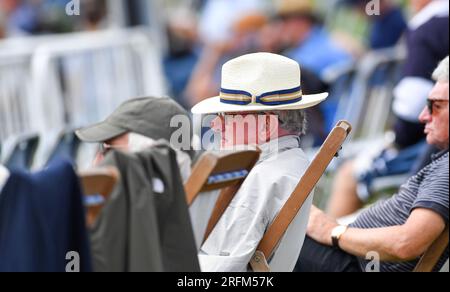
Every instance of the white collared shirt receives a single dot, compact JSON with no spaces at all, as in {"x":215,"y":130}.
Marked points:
{"x":236,"y":236}
{"x":4,"y":175}
{"x":436,"y":8}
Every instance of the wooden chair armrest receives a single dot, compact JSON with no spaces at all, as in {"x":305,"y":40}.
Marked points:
{"x":259,"y":263}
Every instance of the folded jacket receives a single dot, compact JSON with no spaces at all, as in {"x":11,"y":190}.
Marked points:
{"x":145,"y":225}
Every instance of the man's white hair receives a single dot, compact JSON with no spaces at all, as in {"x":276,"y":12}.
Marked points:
{"x":293,"y":121}
{"x":441,"y":72}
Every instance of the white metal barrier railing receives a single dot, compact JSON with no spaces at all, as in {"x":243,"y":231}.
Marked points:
{"x":368,"y":106}
{"x":15,"y":90}
{"x":90,"y":74}
{"x":71,"y":80}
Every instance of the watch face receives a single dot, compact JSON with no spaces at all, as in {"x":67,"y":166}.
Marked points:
{"x":337,"y":232}
{"x":342,"y":229}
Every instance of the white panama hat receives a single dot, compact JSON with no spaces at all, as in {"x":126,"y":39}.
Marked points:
{"x":259,"y":82}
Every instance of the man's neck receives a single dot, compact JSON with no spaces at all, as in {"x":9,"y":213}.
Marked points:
{"x":282,"y":133}
{"x":279,"y":145}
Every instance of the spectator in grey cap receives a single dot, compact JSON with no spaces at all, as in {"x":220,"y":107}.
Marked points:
{"x":136,"y":125}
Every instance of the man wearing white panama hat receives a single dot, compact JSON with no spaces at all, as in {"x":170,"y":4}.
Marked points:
{"x":259,"y":85}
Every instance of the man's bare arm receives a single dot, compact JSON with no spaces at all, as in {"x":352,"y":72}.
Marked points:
{"x":397,"y":243}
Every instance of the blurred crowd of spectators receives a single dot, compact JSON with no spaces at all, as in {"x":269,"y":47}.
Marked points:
{"x":34,"y":17}
{"x":293,"y":28}
{"x":201,"y":40}
{"x":204,"y":34}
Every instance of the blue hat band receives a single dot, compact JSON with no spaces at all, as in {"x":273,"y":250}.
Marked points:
{"x":280,"y":97}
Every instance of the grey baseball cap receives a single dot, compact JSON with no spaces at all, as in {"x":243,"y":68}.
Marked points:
{"x":147,"y":116}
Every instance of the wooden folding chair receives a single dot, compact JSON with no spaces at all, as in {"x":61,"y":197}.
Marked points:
{"x":98,"y":182}
{"x":276,"y":231}
{"x":431,"y":257}
{"x":218,"y":170}
{"x":224,"y":170}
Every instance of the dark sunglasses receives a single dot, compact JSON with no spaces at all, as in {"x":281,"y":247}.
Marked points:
{"x":431,"y":102}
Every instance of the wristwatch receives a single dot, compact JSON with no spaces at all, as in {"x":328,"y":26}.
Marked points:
{"x":336,"y":234}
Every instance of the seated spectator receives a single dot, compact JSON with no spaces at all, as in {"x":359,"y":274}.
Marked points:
{"x":310,"y":44}
{"x":402,"y":228}
{"x":270,"y":39}
{"x":427,"y":44}
{"x":136,"y":125}
{"x":260,"y":103}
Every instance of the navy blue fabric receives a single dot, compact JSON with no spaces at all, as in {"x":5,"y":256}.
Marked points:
{"x":427,"y":46}
{"x":41,"y":220}
{"x":384,"y":165}
{"x":387,"y":29}
{"x":261,"y":98}
{"x":66,"y":148}
{"x":408,"y":133}
{"x":318,"y":258}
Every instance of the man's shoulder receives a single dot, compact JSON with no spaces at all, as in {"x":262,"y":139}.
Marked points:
{"x":441,"y":161}
{"x":442,"y":164}
{"x":293,"y":161}
{"x":433,"y":31}
{"x":438,"y":169}
{"x":434,"y":24}
{"x":291,"y":156}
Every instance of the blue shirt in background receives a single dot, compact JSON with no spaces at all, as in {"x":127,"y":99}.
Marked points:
{"x":318,"y":52}
{"x":387,"y":29}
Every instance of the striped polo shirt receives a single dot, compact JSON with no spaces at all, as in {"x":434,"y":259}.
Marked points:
{"x":428,"y":189}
